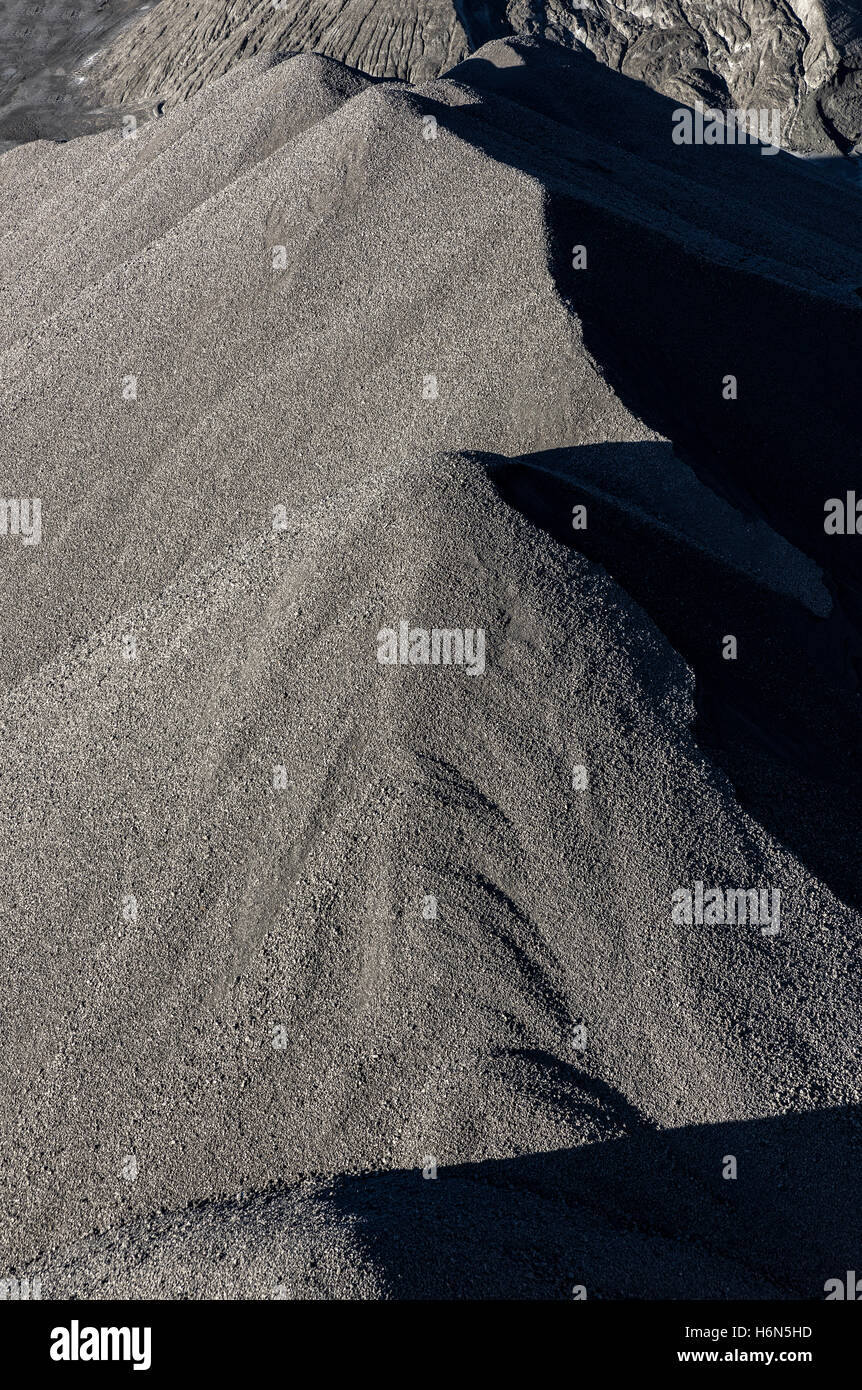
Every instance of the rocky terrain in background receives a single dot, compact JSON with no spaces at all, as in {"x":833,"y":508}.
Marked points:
{"x":184,"y":44}
{"x":803,"y":59}
{"x":44,"y":50}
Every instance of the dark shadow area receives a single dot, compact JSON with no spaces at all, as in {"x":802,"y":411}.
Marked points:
{"x":483,"y":20}
{"x":648,"y":1216}
{"x":703,"y":262}
{"x":784,"y":720}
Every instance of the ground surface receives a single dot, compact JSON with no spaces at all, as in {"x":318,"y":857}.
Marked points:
{"x":286,"y":931}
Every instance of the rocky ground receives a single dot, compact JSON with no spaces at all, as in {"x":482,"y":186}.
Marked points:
{"x":325,"y":976}
{"x":72,"y":68}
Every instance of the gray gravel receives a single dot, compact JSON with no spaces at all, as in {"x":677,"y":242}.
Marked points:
{"x":234,"y":1031}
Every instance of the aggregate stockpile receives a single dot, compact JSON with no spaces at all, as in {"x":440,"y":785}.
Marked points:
{"x":335,"y":969}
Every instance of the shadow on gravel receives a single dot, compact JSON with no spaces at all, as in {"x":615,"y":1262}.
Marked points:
{"x":643,"y":1217}
{"x":708,"y":262}
{"x":785,"y":718}
{"x":703,"y":262}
